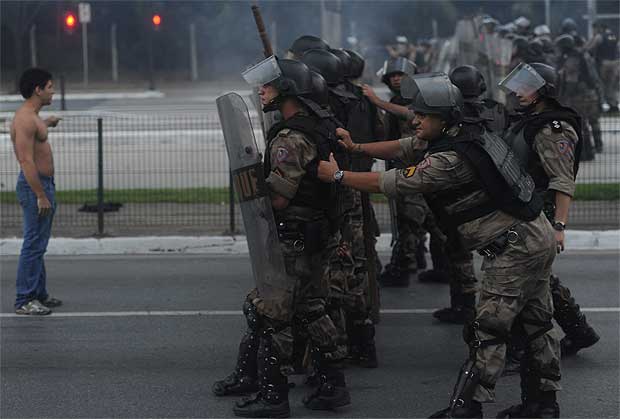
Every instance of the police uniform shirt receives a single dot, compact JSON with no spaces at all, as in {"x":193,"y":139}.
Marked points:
{"x":290,"y":152}
{"x":447,"y":170}
{"x":555,"y":146}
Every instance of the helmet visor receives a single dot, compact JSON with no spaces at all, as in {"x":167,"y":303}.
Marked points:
{"x":523,"y":81}
{"x":262,"y":73}
{"x":408,"y":88}
{"x":435,"y":89}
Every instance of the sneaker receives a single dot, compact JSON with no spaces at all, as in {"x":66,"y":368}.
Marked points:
{"x":51,"y":302}
{"x":34,"y":308}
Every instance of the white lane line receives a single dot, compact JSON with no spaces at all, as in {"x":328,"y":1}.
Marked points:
{"x":239,"y":312}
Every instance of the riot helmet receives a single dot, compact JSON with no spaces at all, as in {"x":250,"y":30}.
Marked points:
{"x":523,"y":24}
{"x":397,"y":65}
{"x":569,"y":25}
{"x":565,"y":42}
{"x":326,"y":64}
{"x":320,"y":91}
{"x":305,"y":43}
{"x":290,"y":78}
{"x":357,"y":64}
{"x":345,"y":58}
{"x":489,"y":23}
{"x":434,"y":94}
{"x":542,"y":30}
{"x":527,"y":79}
{"x":469,"y":80}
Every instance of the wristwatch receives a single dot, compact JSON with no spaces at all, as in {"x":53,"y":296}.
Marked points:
{"x":338,"y":176}
{"x":559,"y":226}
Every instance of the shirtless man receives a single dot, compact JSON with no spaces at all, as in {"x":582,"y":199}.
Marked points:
{"x":35,"y":190}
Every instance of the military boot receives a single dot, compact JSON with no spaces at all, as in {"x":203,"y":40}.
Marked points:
{"x":462,"y":404}
{"x":243,"y":380}
{"x":579,"y":334}
{"x":473,"y":410}
{"x":271,"y":401}
{"x":368,"y":349}
{"x":462,"y":309}
{"x":353,"y":339}
{"x":544,"y":405}
{"x":332,"y":391}
{"x":393,"y":276}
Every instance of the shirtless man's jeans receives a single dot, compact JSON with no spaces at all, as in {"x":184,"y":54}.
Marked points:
{"x":37,"y":230}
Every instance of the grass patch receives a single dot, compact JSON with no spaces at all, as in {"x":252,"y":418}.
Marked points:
{"x":584,"y":192}
{"x":137,"y":196}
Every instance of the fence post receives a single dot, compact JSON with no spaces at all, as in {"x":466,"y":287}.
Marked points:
{"x":231,"y":204}
{"x":100,"y":177}
{"x":63,"y":105}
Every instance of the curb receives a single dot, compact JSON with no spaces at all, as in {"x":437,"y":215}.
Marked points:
{"x":237,"y":245}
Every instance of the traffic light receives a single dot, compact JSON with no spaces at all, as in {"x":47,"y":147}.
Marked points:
{"x":70,"y":22}
{"x":156,"y":21}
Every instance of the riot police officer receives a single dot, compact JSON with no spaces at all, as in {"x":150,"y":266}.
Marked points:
{"x":352,"y":111}
{"x":547,"y":138}
{"x":494,"y":209}
{"x":302,"y":210}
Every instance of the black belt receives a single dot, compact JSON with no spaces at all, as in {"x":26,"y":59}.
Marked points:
{"x":500,"y":244}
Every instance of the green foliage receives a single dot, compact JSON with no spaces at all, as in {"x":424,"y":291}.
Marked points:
{"x":585,"y":192}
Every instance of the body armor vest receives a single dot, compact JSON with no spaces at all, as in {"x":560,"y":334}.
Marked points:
{"x":508,"y":187}
{"x":521,"y":135}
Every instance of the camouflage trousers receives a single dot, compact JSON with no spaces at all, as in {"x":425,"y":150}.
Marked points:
{"x":309,"y":317}
{"x":411,"y":211}
{"x":347,"y":272}
{"x":453,"y":259}
{"x":515,"y":292}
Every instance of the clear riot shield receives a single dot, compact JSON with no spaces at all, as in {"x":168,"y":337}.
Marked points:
{"x":466,"y":37}
{"x":494,"y":59}
{"x":246,"y":166}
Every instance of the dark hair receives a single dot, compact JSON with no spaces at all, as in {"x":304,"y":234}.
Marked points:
{"x":31,"y":79}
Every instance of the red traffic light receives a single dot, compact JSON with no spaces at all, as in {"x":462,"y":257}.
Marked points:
{"x":156,"y":20}
{"x":70,"y":20}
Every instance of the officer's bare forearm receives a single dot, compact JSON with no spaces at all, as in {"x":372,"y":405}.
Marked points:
{"x":362,"y":181}
{"x":562,"y":204}
{"x":384,"y":150}
{"x":398,"y":110}
{"x":32,"y":177}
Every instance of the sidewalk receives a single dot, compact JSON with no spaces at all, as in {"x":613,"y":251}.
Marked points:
{"x":237,"y":245}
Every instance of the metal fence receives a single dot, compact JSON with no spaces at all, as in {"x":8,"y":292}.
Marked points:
{"x":168,"y":174}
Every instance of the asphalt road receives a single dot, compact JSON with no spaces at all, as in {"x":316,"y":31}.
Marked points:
{"x":146,"y":336}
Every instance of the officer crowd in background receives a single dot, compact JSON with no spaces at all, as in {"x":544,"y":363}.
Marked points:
{"x":482,"y":137}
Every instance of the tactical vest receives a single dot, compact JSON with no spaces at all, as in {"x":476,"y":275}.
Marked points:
{"x":311,"y":193}
{"x":498,"y":173}
{"x":521,"y":135}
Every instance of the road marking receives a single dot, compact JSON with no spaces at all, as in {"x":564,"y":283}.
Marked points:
{"x":147,"y":313}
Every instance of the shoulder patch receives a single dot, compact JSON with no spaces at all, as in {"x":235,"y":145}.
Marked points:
{"x":564,"y":146}
{"x":281,"y":154}
{"x":556,"y":126}
{"x":409,"y":171}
